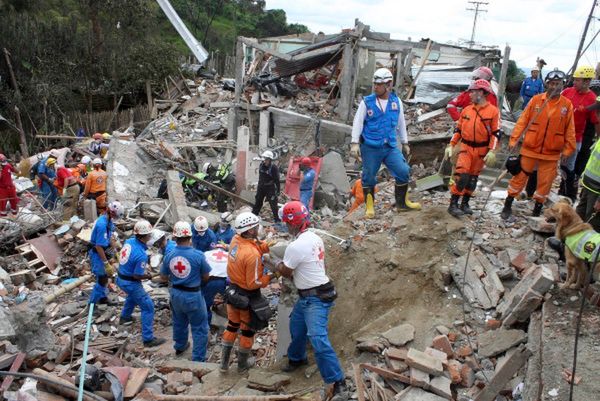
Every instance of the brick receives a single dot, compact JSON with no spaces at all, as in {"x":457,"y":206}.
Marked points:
{"x":452,"y":336}
{"x":442,"y":343}
{"x":519,"y":262}
{"x":397,"y":353}
{"x":464,"y":351}
{"x":436,"y":353}
{"x":521,"y":312}
{"x":420,"y":360}
{"x":467,"y":376}
{"x":493,"y":324}
{"x":454,"y":368}
{"x":440,"y":385}
{"x":418,"y":378}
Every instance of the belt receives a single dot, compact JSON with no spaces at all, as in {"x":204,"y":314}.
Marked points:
{"x":214,"y":278}
{"x":313,"y":292}
{"x":72,"y":185}
{"x":186,"y":289}
{"x":128,"y":278}
{"x":476,"y":144}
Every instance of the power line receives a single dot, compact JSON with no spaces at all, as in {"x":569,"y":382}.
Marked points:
{"x":476,"y":10}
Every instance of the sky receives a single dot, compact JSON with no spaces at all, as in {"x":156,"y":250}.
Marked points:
{"x":550,"y":29}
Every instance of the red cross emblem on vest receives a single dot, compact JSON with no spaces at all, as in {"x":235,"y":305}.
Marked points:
{"x":124,"y":254}
{"x":180,"y":267}
{"x":220,"y":255}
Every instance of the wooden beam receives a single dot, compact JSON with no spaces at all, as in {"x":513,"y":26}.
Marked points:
{"x":22,"y":137}
{"x":344,"y":102}
{"x":67,"y":137}
{"x":503,"y":72}
{"x":13,"y":79}
{"x":423,"y":62}
{"x":263,"y":48}
{"x":384,"y":47}
{"x":16,"y":365}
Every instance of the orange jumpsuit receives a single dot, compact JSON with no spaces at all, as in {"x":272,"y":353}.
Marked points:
{"x":245,"y":270}
{"x":95,"y":188}
{"x":478,"y":128}
{"x":357,"y":193}
{"x":550,"y":135}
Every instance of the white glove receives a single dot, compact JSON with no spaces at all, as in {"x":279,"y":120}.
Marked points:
{"x":405,"y":149}
{"x":490,"y":159}
{"x":355,"y":150}
{"x":448,"y":151}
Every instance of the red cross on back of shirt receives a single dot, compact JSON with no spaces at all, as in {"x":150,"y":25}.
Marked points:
{"x":220,"y":255}
{"x":180,"y":267}
{"x":123,"y":253}
{"x":321,"y":254}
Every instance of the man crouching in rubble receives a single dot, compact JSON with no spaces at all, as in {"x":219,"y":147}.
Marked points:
{"x":378,"y":120}
{"x":304,"y":261}
{"x":101,"y":250}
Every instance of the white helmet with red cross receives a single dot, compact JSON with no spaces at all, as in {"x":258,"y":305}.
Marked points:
{"x":142,"y":227}
{"x":182,"y":229}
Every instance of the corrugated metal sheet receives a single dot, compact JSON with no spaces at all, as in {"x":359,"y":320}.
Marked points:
{"x":283,"y":68}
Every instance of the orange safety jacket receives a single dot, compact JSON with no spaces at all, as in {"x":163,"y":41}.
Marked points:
{"x":95,"y":182}
{"x":478,"y":127}
{"x":244,"y":264}
{"x":551,"y":129}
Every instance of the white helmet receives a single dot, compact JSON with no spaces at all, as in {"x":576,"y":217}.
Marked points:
{"x":205,"y":167}
{"x":142,"y":227}
{"x":246,"y":221}
{"x":201,"y":224}
{"x":182,"y":229}
{"x":267,"y":154}
{"x":535,"y":68}
{"x":97,"y":161}
{"x":382,"y":75}
{"x":116,"y":209}
{"x":86,"y":159}
{"x":157,"y":235}
{"x":226,"y":217}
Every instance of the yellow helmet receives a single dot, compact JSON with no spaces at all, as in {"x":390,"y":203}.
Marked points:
{"x":106,"y":135}
{"x":50,"y":162}
{"x":585,"y":72}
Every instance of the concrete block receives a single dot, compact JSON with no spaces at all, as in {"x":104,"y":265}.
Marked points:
{"x":178,"y":210}
{"x":494,"y":342}
{"x":537,"y":278}
{"x":90,"y":214}
{"x":419,"y":378}
{"x":400,"y":335}
{"x":6,"y":329}
{"x":440,"y":385}
{"x":436,"y":353}
{"x":528,"y":304}
{"x":424,"y":362}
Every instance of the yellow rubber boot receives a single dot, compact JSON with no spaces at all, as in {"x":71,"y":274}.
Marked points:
{"x":403,"y":204}
{"x":370,"y":206}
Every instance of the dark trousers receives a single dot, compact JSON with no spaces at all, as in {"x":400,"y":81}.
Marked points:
{"x":262,"y":192}
{"x":585,"y":208}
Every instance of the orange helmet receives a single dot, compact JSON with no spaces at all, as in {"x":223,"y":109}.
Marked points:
{"x":81,"y":167}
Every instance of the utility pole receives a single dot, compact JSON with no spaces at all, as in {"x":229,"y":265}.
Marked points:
{"x":583,"y":35}
{"x":477,"y":10}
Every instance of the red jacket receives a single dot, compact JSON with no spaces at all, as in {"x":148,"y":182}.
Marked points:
{"x":456,"y":105}
{"x":5,"y":177}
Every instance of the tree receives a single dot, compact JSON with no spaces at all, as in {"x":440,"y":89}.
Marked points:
{"x":514,"y":73}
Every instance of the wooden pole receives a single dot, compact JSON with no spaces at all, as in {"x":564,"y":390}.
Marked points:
{"x":583,"y":35}
{"x":423,"y":62}
{"x":114,"y":113}
{"x":503,"y":72}
{"x":149,"y":96}
{"x":22,"y":137}
{"x":13,"y":79}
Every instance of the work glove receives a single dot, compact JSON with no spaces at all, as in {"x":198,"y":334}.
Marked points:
{"x":271,"y":242}
{"x":109,"y":269}
{"x":405,"y":149}
{"x":355,"y":150}
{"x":448,"y":151}
{"x":490,"y":159}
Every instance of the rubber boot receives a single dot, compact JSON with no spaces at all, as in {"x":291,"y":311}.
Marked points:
{"x":369,"y":202}
{"x":531,"y":184}
{"x":403,"y":204}
{"x":294,"y":365}
{"x":572,"y":187}
{"x":225,"y":355}
{"x":340,"y":391}
{"x":453,"y":209}
{"x":537,"y":209}
{"x":245,"y":362}
{"x":564,"y":178}
{"x":507,"y":210}
{"x":464,"y":206}
{"x":558,"y":246}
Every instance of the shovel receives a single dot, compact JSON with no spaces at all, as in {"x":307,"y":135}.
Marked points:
{"x":432,"y":181}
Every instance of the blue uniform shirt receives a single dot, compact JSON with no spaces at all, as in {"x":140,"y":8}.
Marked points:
{"x":308,"y":181}
{"x":204,"y":242}
{"x":225,"y":235}
{"x":133,"y":258}
{"x":529,"y":88}
{"x":102,"y":231}
{"x":185,"y":266}
{"x":169,"y":247}
{"x":43,"y":169}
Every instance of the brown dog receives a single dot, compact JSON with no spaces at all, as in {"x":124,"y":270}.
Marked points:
{"x":570,"y":226}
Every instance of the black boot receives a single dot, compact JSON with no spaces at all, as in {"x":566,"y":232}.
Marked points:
{"x":572,"y":186}
{"x":558,"y":246}
{"x":464,"y":206}
{"x":453,"y":209}
{"x":245,"y":362}
{"x":225,"y":355}
{"x":507,"y":210}
{"x":294,"y":365}
{"x":404,"y":204}
{"x":531,"y":184}
{"x":340,"y":391}
{"x":537,"y":209}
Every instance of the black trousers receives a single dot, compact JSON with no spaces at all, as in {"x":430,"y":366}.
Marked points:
{"x":585,"y":208}
{"x":262,"y":192}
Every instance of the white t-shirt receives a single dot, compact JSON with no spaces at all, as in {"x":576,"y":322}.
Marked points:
{"x":217,"y":260}
{"x":306,"y":256}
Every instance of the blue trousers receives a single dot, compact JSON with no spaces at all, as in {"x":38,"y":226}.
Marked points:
{"x":308,"y":322}
{"x":570,"y":162}
{"x":49,"y":195}
{"x":209,"y":290}
{"x":189,"y":310}
{"x":392,"y":157}
{"x":305,"y":197}
{"x":137,"y":296}
{"x":97,"y":267}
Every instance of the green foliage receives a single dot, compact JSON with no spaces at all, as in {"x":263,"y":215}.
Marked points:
{"x":514,"y":74}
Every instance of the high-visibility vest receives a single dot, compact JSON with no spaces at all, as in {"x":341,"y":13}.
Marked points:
{"x":584,"y":245}
{"x":591,"y":174}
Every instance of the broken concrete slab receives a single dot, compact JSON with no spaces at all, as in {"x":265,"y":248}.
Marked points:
{"x":504,"y":372}
{"x":6,"y":328}
{"x":199,"y":369}
{"x":333,"y":176}
{"x":540,"y":225}
{"x":534,"y":364}
{"x":494,"y":342}
{"x":267,"y":381}
{"x":90,"y":213}
{"x":179,"y":208}
{"x":537,"y":278}
{"x":419,"y":378}
{"x":440,"y":385}
{"x":400,"y":335}
{"x":468,"y":281}
{"x":417,"y":394}
{"x":424,"y":362}
{"x":442,"y":356}
{"x":529,"y":303}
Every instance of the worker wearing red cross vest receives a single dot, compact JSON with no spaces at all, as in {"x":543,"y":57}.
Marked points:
{"x":245,"y":271}
{"x":133,"y":262}
{"x":217,"y":260}
{"x":186,"y":269}
{"x":304,"y":261}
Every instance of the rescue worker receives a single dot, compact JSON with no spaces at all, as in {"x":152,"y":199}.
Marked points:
{"x":94,"y":146}
{"x":133,"y":262}
{"x":224,"y":178}
{"x":268,"y":186}
{"x":223,"y":230}
{"x":102,"y":249}
{"x":203,"y":238}
{"x":245,"y":272}
{"x":478,"y":131}
{"x":531,"y":86}
{"x":217,"y":260}
{"x":552,"y":135}
{"x":357,"y":192}
{"x":161,"y":242}
{"x":378,"y":120}
{"x":456,"y":105}
{"x":46,"y":176}
{"x":80,"y":173}
{"x":8,"y":191}
{"x":582,"y":97}
{"x":307,"y":181}
{"x":88,"y":163}
{"x":105,"y":145}
{"x":588,"y":207}
{"x":304,"y":261}
{"x":68,"y":188}
{"x":95,"y":185}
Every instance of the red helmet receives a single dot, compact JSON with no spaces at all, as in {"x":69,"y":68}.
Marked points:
{"x":295,"y":213}
{"x":305,"y":161}
{"x":97,"y":135}
{"x":481,"y":84}
{"x":483,"y":73}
